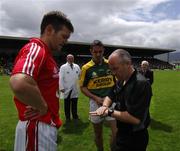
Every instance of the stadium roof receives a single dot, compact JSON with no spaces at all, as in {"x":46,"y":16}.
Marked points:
{"x":82,"y":48}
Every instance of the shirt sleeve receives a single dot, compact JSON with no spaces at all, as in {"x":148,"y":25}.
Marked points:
{"x":139,"y":101}
{"x":61,"y":78}
{"x":112,"y":94}
{"x":83,"y":80}
{"x":79,"y":71}
{"x":30,"y":60}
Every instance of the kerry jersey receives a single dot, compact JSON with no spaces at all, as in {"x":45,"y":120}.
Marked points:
{"x":97,"y":78}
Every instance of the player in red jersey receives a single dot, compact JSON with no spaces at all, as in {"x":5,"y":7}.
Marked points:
{"x":34,"y":81}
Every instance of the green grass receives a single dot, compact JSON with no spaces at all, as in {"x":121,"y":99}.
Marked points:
{"x":164,"y":130}
{"x":165,"y":105}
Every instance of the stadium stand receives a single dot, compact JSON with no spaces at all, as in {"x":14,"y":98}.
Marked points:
{"x":9,"y":47}
{"x":154,"y":63}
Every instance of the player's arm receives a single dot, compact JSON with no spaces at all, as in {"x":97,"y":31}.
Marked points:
{"x":86,"y":92}
{"x":61,"y":79}
{"x":27,"y":91}
{"x":107,"y":101}
{"x":101,"y":110}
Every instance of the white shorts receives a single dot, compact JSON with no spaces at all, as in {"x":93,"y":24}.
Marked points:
{"x":37,"y":136}
{"x":97,"y":119}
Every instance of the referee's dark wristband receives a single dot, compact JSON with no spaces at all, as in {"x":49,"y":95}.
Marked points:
{"x":110,"y":111}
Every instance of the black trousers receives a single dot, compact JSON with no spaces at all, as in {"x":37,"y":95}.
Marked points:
{"x":135,"y":141}
{"x":70,"y":104}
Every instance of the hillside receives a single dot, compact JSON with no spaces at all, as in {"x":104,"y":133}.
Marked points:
{"x":174,"y":56}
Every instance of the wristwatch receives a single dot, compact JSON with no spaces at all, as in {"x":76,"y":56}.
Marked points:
{"x":110,"y":111}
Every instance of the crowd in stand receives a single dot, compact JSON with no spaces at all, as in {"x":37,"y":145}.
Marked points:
{"x":154,"y":63}
{"x":7,"y":63}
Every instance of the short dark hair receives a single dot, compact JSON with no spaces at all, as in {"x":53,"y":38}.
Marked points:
{"x":57,"y":19}
{"x":96,"y":43}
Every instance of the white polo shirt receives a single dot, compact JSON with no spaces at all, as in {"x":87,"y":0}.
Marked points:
{"x":68,"y":79}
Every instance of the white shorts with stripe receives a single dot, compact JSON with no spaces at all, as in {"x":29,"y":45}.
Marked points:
{"x":97,"y":119}
{"x":43,"y":138}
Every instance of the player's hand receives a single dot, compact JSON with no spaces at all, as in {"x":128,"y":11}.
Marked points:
{"x":102,"y":111}
{"x":99,"y":100}
{"x":32,"y":113}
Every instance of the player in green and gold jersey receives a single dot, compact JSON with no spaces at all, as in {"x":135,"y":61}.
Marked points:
{"x":96,"y":81}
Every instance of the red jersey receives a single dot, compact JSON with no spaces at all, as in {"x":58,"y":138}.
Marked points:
{"x":35,"y":60}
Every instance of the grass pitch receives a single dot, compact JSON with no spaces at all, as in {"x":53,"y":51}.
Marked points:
{"x":164,"y":130}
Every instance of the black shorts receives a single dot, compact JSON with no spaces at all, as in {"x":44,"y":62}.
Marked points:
{"x":134,"y":141}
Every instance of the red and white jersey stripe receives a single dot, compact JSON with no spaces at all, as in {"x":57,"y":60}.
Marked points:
{"x":35,"y":60}
{"x":31,"y":56}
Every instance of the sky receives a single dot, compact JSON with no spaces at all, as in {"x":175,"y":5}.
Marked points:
{"x":142,"y":23}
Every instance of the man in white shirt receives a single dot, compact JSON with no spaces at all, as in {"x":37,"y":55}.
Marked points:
{"x":68,"y":85}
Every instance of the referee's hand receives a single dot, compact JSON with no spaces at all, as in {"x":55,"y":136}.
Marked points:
{"x":102,"y":111}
